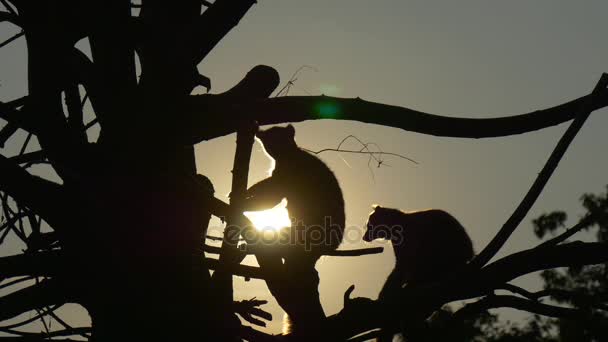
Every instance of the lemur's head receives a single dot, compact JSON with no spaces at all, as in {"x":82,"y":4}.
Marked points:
{"x":277,"y":140}
{"x":383,"y":223}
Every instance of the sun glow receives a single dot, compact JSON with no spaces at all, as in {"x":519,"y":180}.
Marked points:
{"x":272,"y":219}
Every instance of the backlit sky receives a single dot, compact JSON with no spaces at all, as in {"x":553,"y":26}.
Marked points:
{"x":459,"y":58}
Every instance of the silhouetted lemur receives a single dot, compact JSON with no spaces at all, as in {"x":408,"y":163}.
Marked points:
{"x":427,"y":244}
{"x":314,"y":198}
{"x":316,"y":208}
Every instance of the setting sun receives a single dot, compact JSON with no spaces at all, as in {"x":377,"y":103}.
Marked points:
{"x":273,"y":219}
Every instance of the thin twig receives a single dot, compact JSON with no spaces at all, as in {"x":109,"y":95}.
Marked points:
{"x":364,"y":152}
{"x":285,"y":90}
{"x":373,"y":155}
{"x":583,"y":223}
{"x":11,"y":39}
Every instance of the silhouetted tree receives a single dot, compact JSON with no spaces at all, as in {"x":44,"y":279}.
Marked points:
{"x":128,"y":219}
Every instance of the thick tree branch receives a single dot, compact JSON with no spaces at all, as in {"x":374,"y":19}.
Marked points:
{"x":17,"y":118}
{"x":75,"y":113}
{"x":45,"y":198}
{"x":522,"y":209}
{"x":48,"y":292}
{"x":259,"y":83}
{"x":301,"y":108}
{"x":165,"y":47}
{"x":216,"y":22}
{"x":29,"y":157}
{"x":536,"y":259}
{"x":45,"y":336}
{"x":49,"y":48}
{"x":230,"y":256}
{"x":248,"y":250}
{"x":114,"y":63}
{"x":35,"y":264}
{"x":253,"y":249}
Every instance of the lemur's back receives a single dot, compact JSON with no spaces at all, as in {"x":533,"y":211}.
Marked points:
{"x":434,"y":242}
{"x":314,"y":195}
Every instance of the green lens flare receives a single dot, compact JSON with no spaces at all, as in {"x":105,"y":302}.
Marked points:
{"x":327,"y":110}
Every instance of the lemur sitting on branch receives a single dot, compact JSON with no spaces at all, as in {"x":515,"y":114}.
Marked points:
{"x":316,"y":208}
{"x":427,"y":244}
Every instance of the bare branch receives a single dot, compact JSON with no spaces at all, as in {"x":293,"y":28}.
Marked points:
{"x":44,"y":197}
{"x":10,"y":17}
{"x":515,"y":265}
{"x":48,"y":292}
{"x":361,"y":314}
{"x":41,"y":314}
{"x":32,"y":264}
{"x":518,"y":290}
{"x":291,"y":82}
{"x":492,"y":302}
{"x":363,"y":150}
{"x":16,"y":118}
{"x":230,"y":256}
{"x":29,"y":158}
{"x":522,"y":209}
{"x":259,"y":83}
{"x":301,"y":108}
{"x":7,"y":132}
{"x":582,"y":224}
{"x":11,"y":39}
{"x":75,"y":113}
{"x":578,"y":297}
{"x":253,"y":249}
{"x":338,"y":253}
{"x":10,"y":8}
{"x":44,"y":336}
{"x":216,"y":22}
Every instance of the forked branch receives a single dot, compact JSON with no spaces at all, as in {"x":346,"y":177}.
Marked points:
{"x":581,"y":115}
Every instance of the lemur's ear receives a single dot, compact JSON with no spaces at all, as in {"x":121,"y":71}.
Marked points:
{"x":291,"y":130}
{"x":376,"y":206}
